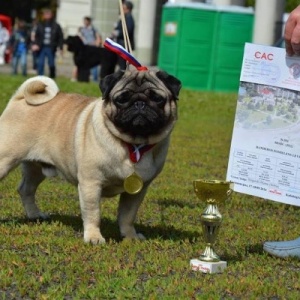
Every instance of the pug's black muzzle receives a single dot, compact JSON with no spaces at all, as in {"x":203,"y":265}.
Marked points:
{"x":140,"y":118}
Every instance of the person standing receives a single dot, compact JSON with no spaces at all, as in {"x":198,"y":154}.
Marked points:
{"x":289,"y":248}
{"x":118,"y":31}
{"x":110,"y":59}
{"x":48,"y":38}
{"x":18,"y":45}
{"x":4,"y":38}
{"x":90,"y":36}
{"x":32,"y":40}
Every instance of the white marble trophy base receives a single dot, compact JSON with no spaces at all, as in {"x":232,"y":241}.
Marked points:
{"x":208,"y":267}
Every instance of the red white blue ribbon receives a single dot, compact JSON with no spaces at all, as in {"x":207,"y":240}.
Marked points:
{"x":137,"y":151}
{"x":121,"y":51}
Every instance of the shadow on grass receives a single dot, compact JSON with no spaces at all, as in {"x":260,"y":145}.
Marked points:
{"x":237,"y":255}
{"x":110,"y":229}
{"x":254,"y":249}
{"x":178,"y":203}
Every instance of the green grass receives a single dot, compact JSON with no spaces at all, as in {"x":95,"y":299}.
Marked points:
{"x":49,"y":260}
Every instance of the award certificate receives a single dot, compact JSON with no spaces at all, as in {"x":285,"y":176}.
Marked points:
{"x":264,"y":159}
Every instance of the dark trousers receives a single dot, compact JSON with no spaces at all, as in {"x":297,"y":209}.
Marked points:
{"x":46,"y":53}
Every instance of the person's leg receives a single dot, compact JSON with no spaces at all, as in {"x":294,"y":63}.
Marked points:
{"x":35,"y":60}
{"x":51,"y":62}
{"x":95,"y":73}
{"x":74,"y":75}
{"x":283,"y":249}
{"x":83,"y":74}
{"x":41,"y":61}
{"x":24,"y":63}
{"x":2,"y":54}
{"x":34,"y":69}
{"x":14,"y":63}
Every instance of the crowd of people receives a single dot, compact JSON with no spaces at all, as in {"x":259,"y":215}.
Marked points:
{"x":45,"y":41}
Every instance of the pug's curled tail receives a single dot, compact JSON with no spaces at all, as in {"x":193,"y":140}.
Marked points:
{"x":37,"y":90}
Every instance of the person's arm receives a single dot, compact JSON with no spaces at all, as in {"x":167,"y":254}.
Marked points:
{"x":79,"y":33}
{"x":118,"y":32}
{"x":98,"y":39}
{"x":60,"y":38}
{"x":129,"y":24}
{"x":292,"y":33}
{"x":36,"y":44}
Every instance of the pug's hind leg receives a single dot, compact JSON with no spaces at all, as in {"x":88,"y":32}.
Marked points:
{"x":32,"y":176}
{"x":127,"y":211}
{"x":89,"y":197}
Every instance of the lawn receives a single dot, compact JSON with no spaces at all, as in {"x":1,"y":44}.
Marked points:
{"x":49,"y":260}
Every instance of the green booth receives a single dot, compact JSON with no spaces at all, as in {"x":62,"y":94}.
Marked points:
{"x":203,"y":44}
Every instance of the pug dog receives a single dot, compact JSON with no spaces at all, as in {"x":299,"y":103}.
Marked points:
{"x":88,"y":141}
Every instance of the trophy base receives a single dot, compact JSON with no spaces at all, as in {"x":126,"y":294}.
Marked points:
{"x":208,"y":267}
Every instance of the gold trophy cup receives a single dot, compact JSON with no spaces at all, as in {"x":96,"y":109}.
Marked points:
{"x":211,"y":192}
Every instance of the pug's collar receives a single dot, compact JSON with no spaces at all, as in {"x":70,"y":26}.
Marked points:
{"x":136,"y":151}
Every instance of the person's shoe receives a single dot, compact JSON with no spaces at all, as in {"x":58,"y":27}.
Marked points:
{"x":283,"y":249}
{"x":52,"y":72}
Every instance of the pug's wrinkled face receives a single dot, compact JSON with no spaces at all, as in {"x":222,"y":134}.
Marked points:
{"x":140,"y":104}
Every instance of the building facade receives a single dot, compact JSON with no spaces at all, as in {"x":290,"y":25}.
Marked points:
{"x":105,"y":13}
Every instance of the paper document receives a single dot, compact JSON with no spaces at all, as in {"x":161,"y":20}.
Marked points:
{"x":264,"y":158}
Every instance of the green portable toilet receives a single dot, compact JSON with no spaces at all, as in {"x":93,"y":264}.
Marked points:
{"x":203,"y":44}
{"x":234,"y":29}
{"x":195,"y":59}
{"x":170,"y":39}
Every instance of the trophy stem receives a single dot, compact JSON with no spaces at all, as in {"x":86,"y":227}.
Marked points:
{"x":209,"y":255}
{"x":211,"y":220}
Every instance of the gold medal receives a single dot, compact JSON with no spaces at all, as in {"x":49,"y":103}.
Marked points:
{"x":133,"y":184}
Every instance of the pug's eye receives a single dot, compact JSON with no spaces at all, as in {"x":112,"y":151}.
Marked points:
{"x":156,"y":98}
{"x":123,"y":98}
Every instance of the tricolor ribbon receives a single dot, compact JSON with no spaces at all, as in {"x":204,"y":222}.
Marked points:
{"x":137,"y":151}
{"x":121,"y":51}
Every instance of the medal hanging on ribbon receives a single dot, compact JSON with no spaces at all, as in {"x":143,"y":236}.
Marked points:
{"x":133,"y":183}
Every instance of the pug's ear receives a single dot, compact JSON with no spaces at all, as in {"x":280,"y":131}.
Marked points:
{"x":108,"y":82}
{"x":171,"y":82}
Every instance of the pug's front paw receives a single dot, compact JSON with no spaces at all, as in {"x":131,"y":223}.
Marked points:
{"x":94,"y":237}
{"x":135,"y":236}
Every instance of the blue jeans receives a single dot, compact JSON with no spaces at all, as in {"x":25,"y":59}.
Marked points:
{"x":95,"y":73}
{"x":22,"y":58}
{"x":46,"y":52}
